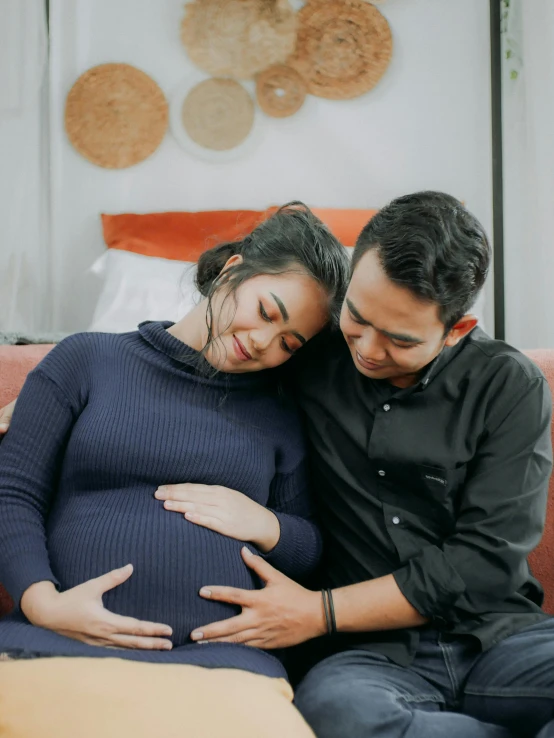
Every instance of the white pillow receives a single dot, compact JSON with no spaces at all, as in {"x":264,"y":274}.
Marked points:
{"x":138,"y":288}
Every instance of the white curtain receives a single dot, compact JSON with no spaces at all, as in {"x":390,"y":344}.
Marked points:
{"x":528,"y":121}
{"x":25,"y":295}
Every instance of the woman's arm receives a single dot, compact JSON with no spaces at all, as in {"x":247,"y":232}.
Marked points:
{"x":30,"y":457}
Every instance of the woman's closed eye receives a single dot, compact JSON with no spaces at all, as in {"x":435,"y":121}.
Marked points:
{"x":268,"y":319}
{"x":264,"y":314}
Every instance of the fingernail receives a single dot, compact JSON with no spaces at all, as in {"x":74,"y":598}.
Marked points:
{"x":126,"y":567}
{"x":160,"y":493}
{"x":197,"y":635}
{"x":205,"y":592}
{"x":168,"y":504}
{"x":247,"y":551}
{"x":4,"y":427}
{"x":190,"y":516}
{"x":168,"y":631}
{"x":168,"y":646}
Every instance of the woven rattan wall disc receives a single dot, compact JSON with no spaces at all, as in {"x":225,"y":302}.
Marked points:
{"x":115,"y":115}
{"x":238,"y":38}
{"x":280,"y":91}
{"x":218,"y":114}
{"x":343,"y":47}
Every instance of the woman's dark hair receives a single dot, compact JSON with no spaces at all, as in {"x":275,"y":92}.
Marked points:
{"x":429,"y":243}
{"x":293,"y":239}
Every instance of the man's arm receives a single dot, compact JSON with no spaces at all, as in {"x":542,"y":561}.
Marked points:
{"x":500,"y":521}
{"x":501,"y":516}
{"x":284,"y":613}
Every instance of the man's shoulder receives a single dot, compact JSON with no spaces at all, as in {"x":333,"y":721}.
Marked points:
{"x":492,"y":356}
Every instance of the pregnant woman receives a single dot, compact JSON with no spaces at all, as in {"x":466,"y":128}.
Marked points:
{"x":92,"y":556}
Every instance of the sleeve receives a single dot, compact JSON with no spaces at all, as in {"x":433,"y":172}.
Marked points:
{"x":31,"y":456}
{"x":500,"y":521}
{"x":299,"y":548}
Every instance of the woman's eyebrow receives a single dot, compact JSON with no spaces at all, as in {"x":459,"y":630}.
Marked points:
{"x":284,"y":313}
{"x":281,"y":307}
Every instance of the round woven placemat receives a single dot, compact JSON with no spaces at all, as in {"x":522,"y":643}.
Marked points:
{"x":280,"y":91}
{"x":343,"y":47}
{"x":238,"y":38}
{"x":115,"y":115}
{"x":218,"y":114}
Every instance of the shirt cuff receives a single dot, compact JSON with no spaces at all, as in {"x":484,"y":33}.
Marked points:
{"x":430,"y":584}
{"x":24,"y":571}
{"x":298,"y":549}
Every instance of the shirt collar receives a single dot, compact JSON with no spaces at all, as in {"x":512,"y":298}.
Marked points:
{"x":447,"y":354}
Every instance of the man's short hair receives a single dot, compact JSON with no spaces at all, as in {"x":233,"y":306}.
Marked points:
{"x":429,"y":243}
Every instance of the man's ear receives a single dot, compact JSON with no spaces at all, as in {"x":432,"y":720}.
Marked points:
{"x":461,"y":329}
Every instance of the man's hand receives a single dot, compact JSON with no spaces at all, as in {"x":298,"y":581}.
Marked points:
{"x":280,"y":615}
{"x":224,"y":510}
{"x":79,"y":613}
{"x":6,"y":417}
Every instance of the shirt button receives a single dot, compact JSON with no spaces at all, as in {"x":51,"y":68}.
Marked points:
{"x":381,"y":473}
{"x":396,"y":520}
{"x":386,"y":408}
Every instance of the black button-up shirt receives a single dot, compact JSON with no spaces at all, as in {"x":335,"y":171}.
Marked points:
{"x":443,"y":484}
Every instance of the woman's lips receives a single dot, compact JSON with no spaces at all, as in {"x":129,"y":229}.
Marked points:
{"x":367,"y":364}
{"x":241,"y":353}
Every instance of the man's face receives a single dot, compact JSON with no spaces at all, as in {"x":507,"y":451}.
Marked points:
{"x":391,"y":333}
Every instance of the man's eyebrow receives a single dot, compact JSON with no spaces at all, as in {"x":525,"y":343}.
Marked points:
{"x":396,"y":336}
{"x":284,"y":313}
{"x":281,"y":307}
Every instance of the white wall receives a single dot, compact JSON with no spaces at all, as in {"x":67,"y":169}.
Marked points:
{"x":528,"y":107}
{"x":427,"y":125}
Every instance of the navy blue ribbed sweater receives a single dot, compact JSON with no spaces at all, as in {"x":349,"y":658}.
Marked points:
{"x":100,"y":424}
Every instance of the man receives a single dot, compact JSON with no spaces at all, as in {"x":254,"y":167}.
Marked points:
{"x":431,"y":455}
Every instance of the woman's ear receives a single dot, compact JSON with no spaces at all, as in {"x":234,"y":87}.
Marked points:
{"x":234,"y":261}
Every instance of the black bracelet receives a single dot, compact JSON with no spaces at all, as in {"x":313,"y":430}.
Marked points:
{"x":332,"y":611}
{"x":326,"y":608}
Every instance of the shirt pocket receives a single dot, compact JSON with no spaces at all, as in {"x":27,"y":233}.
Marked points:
{"x":441,"y":485}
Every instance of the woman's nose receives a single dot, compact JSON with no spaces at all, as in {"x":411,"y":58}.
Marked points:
{"x":261,"y":339}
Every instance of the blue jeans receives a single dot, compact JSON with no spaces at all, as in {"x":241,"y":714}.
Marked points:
{"x":451,"y":690}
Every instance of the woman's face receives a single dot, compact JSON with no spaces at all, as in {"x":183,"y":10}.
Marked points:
{"x":265,"y":321}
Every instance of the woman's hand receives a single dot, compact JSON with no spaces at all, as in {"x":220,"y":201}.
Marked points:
{"x":79,"y":613}
{"x":6,"y":417}
{"x":224,"y":510}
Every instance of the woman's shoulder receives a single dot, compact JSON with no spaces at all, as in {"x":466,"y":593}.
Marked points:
{"x":76,"y":355}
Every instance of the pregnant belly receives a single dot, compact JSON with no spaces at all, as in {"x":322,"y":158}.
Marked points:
{"x":172,"y":560}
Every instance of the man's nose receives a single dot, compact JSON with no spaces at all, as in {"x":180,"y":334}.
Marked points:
{"x":370,"y":346}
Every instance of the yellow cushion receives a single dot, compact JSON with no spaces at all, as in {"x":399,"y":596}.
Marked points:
{"x":114,"y":698}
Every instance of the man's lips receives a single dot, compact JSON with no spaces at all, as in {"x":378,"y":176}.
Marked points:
{"x":241,"y":353}
{"x":367,"y":364}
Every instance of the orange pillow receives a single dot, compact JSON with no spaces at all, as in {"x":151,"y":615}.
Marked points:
{"x":186,"y":235}
{"x":182,"y":235}
{"x":346,"y":225}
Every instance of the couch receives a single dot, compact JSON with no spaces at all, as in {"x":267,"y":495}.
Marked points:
{"x":17,"y":361}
